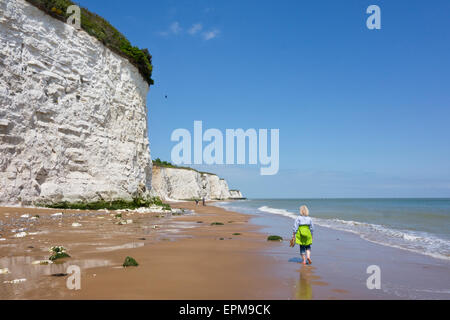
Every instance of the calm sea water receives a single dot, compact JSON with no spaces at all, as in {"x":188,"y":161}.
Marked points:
{"x":419,"y":225}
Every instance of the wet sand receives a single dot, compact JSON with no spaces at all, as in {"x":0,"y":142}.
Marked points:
{"x":340,"y":262}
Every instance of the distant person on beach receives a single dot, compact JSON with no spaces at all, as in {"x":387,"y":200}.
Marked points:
{"x":196,"y":202}
{"x":303,"y":234}
{"x":203,"y":201}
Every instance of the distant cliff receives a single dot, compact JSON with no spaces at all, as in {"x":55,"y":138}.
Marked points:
{"x":184,"y":184}
{"x":73,"y":115}
{"x":236,"y":194}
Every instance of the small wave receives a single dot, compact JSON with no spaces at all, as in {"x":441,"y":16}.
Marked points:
{"x":277,"y":211}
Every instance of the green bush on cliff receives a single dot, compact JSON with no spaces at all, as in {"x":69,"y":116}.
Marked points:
{"x":101,"y":29}
{"x":165,"y":164}
{"x":160,"y":163}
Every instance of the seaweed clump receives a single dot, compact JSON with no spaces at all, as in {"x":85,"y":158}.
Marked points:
{"x":58,"y":252}
{"x":130,"y":262}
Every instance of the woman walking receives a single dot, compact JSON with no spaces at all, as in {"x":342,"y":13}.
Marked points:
{"x":303,"y":234}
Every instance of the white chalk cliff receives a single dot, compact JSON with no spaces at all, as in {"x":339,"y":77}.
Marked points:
{"x":236,"y":194}
{"x":73,"y":116}
{"x":184,"y":184}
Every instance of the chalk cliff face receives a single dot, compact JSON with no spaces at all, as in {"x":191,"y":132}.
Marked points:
{"x":236,"y":194}
{"x":72,"y":114}
{"x":183,"y":184}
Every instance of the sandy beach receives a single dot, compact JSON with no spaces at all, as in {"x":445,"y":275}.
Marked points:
{"x":180,"y":257}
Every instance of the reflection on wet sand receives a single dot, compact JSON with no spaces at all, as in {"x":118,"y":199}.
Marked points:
{"x":21,"y":267}
{"x":304,"y":289}
{"x":89,"y":245}
{"x":308,"y":282}
{"x":130,"y":245}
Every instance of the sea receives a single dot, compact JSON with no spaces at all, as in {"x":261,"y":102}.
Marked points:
{"x":418,"y":225}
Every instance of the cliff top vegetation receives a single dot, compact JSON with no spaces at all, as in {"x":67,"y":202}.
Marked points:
{"x":101,"y":29}
{"x":165,"y":164}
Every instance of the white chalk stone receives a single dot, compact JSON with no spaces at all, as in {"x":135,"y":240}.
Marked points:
{"x":16,"y":281}
{"x":42,"y":262}
{"x":20,"y":235}
{"x":4,"y":271}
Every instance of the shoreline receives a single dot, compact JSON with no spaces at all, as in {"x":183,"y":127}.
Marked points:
{"x":185,"y":257}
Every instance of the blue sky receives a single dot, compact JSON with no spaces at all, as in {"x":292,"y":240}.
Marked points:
{"x":361,"y":113}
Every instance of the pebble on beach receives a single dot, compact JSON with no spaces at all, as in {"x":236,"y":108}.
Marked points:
{"x":42,"y":262}
{"x":4,"y":271}
{"x":20,"y":235}
{"x":16,"y":281}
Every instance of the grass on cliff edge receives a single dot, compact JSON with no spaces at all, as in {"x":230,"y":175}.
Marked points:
{"x":110,"y":205}
{"x":101,"y":29}
{"x":165,"y":164}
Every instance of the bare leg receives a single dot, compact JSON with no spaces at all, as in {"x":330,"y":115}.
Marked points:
{"x":303,"y":259}
{"x":308,"y":256}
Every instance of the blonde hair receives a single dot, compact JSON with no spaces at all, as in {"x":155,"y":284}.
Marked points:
{"x":304,"y":211}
